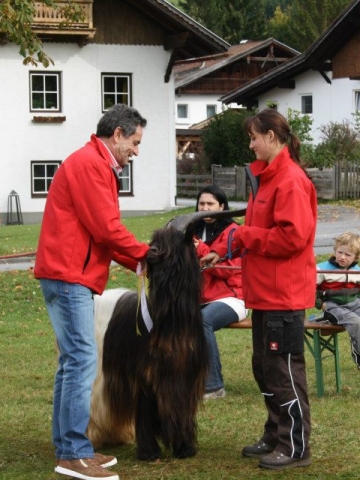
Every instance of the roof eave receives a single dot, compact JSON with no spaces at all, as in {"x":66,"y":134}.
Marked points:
{"x":199,"y":36}
{"x":229,"y":60}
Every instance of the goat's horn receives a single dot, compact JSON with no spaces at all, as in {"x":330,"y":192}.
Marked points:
{"x":182,"y":222}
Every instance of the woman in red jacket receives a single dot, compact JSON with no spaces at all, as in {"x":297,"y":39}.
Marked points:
{"x":279,"y":275}
{"x":222,"y":299}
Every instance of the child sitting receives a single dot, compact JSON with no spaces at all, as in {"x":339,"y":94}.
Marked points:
{"x":338,"y":293}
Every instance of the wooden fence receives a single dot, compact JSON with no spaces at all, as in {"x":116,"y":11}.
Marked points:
{"x":190,"y":185}
{"x":347,"y":180}
{"x":339,"y":182}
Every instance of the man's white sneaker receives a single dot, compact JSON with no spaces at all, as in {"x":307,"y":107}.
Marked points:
{"x":215,"y":394}
{"x":85,"y":469}
{"x":105,"y":461}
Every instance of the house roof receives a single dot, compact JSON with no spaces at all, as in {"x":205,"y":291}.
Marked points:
{"x":317,"y":57}
{"x":189,"y":71}
{"x":184,"y":35}
{"x":180,"y":34}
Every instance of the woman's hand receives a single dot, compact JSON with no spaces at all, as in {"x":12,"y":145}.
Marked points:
{"x":209,"y":260}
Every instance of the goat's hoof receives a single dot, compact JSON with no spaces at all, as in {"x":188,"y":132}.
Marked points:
{"x":185,"y":452}
{"x":148,"y":456}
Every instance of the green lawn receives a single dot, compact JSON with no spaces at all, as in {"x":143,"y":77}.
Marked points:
{"x":28,"y":362}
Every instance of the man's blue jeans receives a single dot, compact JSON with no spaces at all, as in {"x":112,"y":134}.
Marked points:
{"x":215,"y":315}
{"x":71,"y":311}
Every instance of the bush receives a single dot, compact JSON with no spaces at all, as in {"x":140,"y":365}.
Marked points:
{"x":340,"y":141}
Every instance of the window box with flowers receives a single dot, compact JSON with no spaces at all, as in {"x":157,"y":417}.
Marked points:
{"x":48,"y":119}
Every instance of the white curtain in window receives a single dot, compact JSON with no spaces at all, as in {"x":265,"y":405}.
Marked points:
{"x":357,"y":101}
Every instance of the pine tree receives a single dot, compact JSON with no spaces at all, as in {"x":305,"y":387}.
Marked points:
{"x":232,"y":20}
{"x":297,"y":23}
{"x":308,"y":19}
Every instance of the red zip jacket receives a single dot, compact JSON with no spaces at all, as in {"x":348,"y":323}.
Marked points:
{"x":279,"y":269}
{"x":220,"y":282}
{"x":81,"y":232}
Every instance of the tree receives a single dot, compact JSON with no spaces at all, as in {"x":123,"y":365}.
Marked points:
{"x":278,"y":24}
{"x":303,"y":21}
{"x":232,"y":20}
{"x":300,"y":125}
{"x":225,"y":140}
{"x":16,"y":17}
{"x":272,"y":5}
{"x":297,"y":23}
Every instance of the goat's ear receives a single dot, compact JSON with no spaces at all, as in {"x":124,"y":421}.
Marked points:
{"x":189,"y":233}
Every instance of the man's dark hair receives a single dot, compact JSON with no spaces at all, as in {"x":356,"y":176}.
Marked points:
{"x":120,"y":115}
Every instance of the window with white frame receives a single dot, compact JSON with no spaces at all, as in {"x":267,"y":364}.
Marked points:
{"x":126,"y":176}
{"x":357,"y":100}
{"x":116,"y":88}
{"x":182,"y":111}
{"x":306,"y":104}
{"x":210,"y":111}
{"x":45,"y":91}
{"x":42,"y":173}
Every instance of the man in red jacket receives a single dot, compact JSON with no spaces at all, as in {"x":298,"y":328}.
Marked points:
{"x":81,"y":234}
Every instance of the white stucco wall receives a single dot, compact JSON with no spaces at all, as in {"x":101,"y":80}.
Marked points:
{"x":22,"y":140}
{"x":196,"y":108}
{"x":333,"y":102}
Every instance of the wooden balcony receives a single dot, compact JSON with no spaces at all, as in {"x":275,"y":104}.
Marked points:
{"x":48,"y":23}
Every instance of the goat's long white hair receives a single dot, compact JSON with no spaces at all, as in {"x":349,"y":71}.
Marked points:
{"x":101,"y":429}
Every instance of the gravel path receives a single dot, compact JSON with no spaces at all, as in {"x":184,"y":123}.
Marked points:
{"x":332,"y":220}
{"x":337,"y":213}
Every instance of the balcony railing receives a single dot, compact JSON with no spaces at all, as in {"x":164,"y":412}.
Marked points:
{"x":214,"y":85}
{"x":48,"y":21}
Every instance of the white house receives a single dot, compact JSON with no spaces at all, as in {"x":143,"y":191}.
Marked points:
{"x":123,"y":52}
{"x":200,"y":81}
{"x":323,"y":82}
